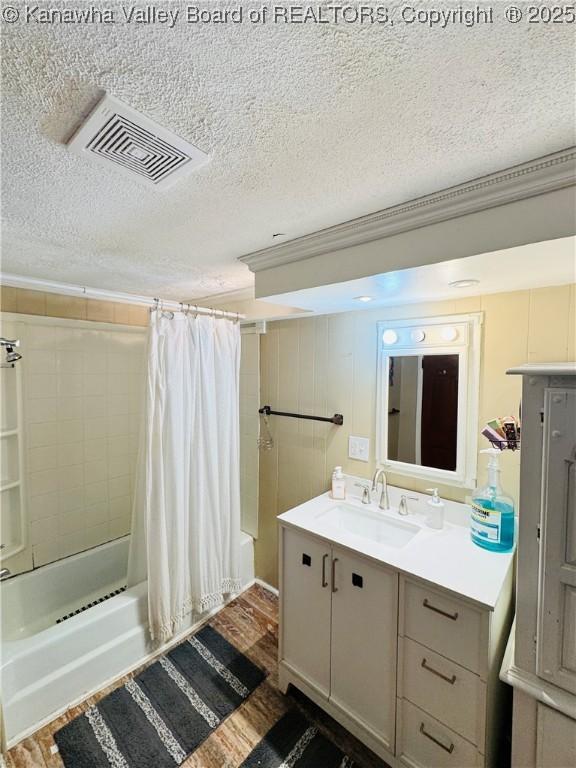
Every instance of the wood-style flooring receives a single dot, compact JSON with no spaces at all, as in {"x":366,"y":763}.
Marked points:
{"x":250,"y":622}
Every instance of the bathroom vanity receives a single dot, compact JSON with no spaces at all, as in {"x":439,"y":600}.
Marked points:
{"x":395,"y":629}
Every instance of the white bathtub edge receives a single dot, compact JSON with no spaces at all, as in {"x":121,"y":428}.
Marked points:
{"x":143,"y":660}
{"x":247,"y":569}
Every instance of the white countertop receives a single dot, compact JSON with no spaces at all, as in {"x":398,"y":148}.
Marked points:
{"x":446,"y":558}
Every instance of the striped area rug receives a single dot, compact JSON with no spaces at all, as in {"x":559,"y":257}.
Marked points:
{"x":295,"y":742}
{"x":158,"y":718}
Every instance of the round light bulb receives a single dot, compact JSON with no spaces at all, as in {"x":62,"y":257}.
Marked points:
{"x":418,"y":335}
{"x":389,"y":336}
{"x":449,"y":333}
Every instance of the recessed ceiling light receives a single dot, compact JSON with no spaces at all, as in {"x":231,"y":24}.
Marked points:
{"x":364,"y":298}
{"x":463,"y":283}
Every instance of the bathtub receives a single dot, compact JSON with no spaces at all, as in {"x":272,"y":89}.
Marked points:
{"x":56,"y":651}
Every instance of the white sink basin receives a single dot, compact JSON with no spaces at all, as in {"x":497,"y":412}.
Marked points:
{"x":368,"y":524}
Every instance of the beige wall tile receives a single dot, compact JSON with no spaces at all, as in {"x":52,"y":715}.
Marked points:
{"x":138,"y":315}
{"x":548,"y":330}
{"x":30,"y":302}
{"x":99,"y":311}
{"x":72,"y":307}
{"x":74,"y":434}
{"x":8,"y":299}
{"x":122,"y":313}
{"x":325,"y":365}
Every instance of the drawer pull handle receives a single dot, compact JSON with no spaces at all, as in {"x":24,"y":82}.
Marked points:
{"x":324,"y":582}
{"x":424,"y":732}
{"x":452,"y":616}
{"x":450,"y":680}
{"x":334,"y":587}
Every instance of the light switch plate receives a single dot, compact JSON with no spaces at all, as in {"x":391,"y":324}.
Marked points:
{"x":359,"y":448}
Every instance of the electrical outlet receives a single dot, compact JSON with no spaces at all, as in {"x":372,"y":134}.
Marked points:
{"x":359,"y":448}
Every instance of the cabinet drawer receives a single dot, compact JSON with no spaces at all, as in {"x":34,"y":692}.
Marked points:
{"x":445,"y":690}
{"x":445,"y":624}
{"x":426,"y":743}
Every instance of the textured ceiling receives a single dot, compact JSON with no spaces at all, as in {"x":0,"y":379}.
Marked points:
{"x":307,"y":126}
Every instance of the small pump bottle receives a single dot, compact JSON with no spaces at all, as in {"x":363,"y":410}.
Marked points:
{"x":338,"y":484}
{"x":492,"y":518}
{"x":435,"y":517}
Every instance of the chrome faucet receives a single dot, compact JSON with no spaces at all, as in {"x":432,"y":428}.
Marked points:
{"x":4,"y":573}
{"x":366,"y":497}
{"x":403,"y":506}
{"x":380,"y":475}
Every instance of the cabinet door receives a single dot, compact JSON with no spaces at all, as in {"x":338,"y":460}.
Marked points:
{"x":557,"y":609}
{"x":556,"y":739}
{"x":305,"y":607}
{"x":364,"y":642}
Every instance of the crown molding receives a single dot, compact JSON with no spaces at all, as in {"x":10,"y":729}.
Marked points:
{"x":546,"y":174}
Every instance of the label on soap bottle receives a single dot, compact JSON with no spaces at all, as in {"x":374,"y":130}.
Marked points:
{"x":486,"y":523}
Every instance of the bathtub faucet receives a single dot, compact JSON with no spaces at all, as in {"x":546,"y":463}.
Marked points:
{"x":4,"y":573}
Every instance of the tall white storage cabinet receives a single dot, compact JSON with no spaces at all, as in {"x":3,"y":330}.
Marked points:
{"x":542,"y":660}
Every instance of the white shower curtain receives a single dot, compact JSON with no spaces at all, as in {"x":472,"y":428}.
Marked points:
{"x":186,"y":521}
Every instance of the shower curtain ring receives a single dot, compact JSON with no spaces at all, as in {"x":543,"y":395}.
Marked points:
{"x":196,"y":312}
{"x":156,"y":305}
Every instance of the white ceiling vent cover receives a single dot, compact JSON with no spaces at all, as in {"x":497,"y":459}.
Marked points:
{"x":116,"y":133}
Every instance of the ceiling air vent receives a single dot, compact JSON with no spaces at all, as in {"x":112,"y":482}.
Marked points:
{"x":116,"y":133}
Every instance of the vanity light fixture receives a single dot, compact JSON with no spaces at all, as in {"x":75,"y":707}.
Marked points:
{"x":389,"y":336}
{"x":364,"y":298}
{"x":464,"y":283}
{"x":418,"y":335}
{"x":449,"y":333}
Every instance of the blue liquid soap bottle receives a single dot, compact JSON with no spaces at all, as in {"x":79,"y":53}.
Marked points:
{"x":492,"y":518}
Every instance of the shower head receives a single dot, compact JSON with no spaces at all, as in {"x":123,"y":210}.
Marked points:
{"x":11,"y":355}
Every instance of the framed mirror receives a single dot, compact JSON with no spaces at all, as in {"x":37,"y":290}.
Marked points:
{"x":427,"y":407}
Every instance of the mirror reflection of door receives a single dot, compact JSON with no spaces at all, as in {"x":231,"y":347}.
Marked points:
{"x":423,"y":410}
{"x":439,"y":411}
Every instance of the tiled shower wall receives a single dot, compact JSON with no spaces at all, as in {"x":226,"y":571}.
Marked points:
{"x":83,"y":388}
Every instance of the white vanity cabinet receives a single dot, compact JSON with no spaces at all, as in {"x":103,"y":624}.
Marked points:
{"x":409,"y":668}
{"x":306,"y":608}
{"x":452,"y":707}
{"x":338,"y":636}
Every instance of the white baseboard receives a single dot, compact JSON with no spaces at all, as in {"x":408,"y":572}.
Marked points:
{"x":266,"y":586}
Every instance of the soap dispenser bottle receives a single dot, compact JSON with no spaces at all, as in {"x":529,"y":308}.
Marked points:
{"x":338,"y":484}
{"x":435,"y":517}
{"x":492,"y":516}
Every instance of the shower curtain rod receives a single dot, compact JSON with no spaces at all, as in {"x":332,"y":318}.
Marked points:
{"x":50,"y":286}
